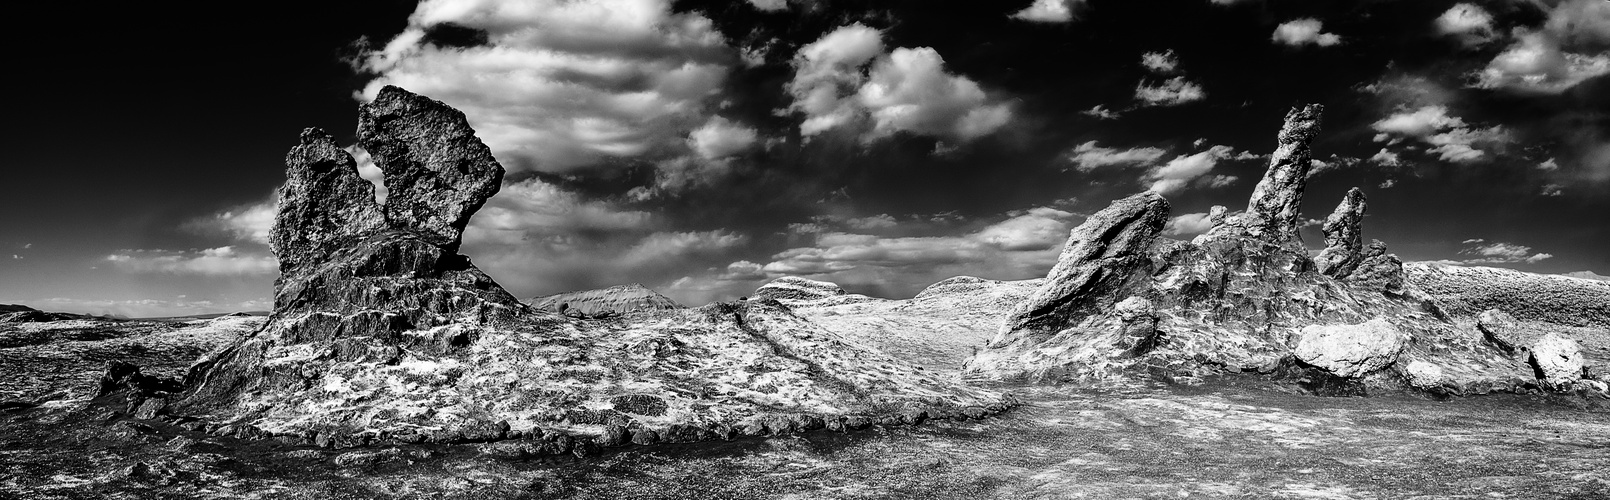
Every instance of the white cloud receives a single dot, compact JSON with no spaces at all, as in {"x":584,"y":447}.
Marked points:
{"x":248,"y":223}
{"x":1580,"y":22}
{"x":1189,"y":224}
{"x":1160,"y":62}
{"x":1386,"y":158}
{"x":719,"y":138}
{"x":770,"y":5}
{"x":1101,"y":111}
{"x":872,"y":223}
{"x":1039,"y":229}
{"x":1535,"y":63}
{"x":1387,"y":184}
{"x":1047,"y":11}
{"x":220,"y":261}
{"x":1171,"y":92}
{"x":1183,"y":169}
{"x":1450,"y":138}
{"x":1089,"y":156}
{"x":1468,"y":22}
{"x":565,"y":84}
{"x":845,"y":79}
{"x":1548,"y":165}
{"x":1304,"y":31}
{"x":1481,"y":252}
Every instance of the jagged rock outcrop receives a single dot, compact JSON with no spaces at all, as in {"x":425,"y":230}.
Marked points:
{"x":1344,"y":237}
{"x":383,"y":333}
{"x":1275,"y":210}
{"x":797,"y":291}
{"x":437,"y":172}
{"x":1104,"y":257}
{"x":1558,"y":360}
{"x":615,"y":300}
{"x":1352,"y":350}
{"x":1243,"y":297}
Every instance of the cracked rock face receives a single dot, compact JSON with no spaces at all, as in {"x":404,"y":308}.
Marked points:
{"x":1104,"y":255}
{"x":1353,"y":350}
{"x":1344,"y":237}
{"x":383,"y":334}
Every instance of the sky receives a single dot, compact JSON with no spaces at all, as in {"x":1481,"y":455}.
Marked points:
{"x":703,"y":148}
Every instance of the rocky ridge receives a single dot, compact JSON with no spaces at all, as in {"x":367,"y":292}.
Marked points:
{"x":1243,"y":297}
{"x":619,"y":299}
{"x":383,"y":334}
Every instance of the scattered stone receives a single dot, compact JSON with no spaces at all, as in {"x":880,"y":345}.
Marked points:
{"x":644,"y":437}
{"x":640,"y":404}
{"x":1344,"y":237}
{"x":1351,"y":350}
{"x":1558,"y":360}
{"x":1423,"y":374}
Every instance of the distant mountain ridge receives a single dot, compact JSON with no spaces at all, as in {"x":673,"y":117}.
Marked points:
{"x":618,"y":299}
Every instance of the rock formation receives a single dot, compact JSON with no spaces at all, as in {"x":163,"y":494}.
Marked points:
{"x":1244,"y":296}
{"x":1103,"y":258}
{"x":615,"y":300}
{"x":383,"y":333}
{"x":1275,"y":210}
{"x":796,"y":291}
{"x":1500,"y":330}
{"x":1344,"y":237}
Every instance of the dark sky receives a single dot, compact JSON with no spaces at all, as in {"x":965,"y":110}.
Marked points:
{"x":704,"y":147}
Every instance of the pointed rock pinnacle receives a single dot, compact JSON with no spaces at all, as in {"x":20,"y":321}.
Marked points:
{"x":1276,"y":202}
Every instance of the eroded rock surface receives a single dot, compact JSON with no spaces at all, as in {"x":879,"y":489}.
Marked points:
{"x":1243,"y":297}
{"x":1344,"y":237}
{"x":796,"y":291}
{"x":1104,"y":256}
{"x":383,"y":334}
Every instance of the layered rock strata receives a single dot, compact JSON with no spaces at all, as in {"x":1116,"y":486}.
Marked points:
{"x":383,"y":333}
{"x":615,"y":300}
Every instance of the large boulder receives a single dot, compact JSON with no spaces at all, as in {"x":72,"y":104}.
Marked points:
{"x":1351,"y":350}
{"x":1500,"y":330}
{"x":1104,"y":257}
{"x":1558,"y":360}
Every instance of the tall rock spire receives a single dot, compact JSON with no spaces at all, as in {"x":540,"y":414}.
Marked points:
{"x":1344,"y":237}
{"x":1277,"y":201}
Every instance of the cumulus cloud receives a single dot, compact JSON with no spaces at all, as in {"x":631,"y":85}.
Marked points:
{"x":1468,"y":22}
{"x":846,"y":79}
{"x":1535,"y":63}
{"x":1090,"y":156}
{"x":1171,"y":92}
{"x":1047,"y":11}
{"x":1180,"y":171}
{"x":560,"y":84}
{"x":1581,"y":22}
{"x":1188,"y":224}
{"x":1303,"y":32}
{"x":220,"y":261}
{"x":1160,"y":62}
{"x":1449,"y":137}
{"x":1024,"y":245}
{"x":1386,"y":158}
{"x":720,"y":138}
{"x":1101,"y":111}
{"x":1480,"y":251}
{"x":248,"y":223}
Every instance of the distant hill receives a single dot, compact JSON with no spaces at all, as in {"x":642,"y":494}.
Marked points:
{"x":613,"y":300}
{"x":1573,"y":301}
